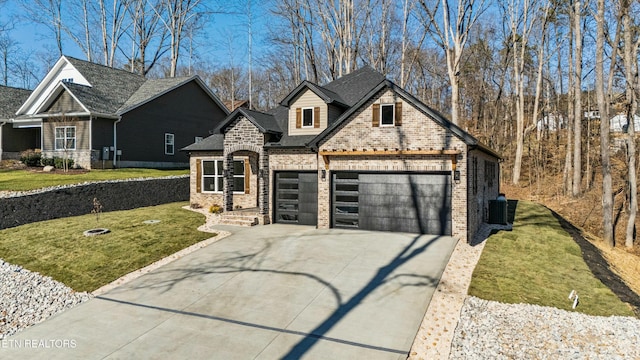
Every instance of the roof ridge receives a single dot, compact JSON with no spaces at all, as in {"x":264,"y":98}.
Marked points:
{"x":91,"y":63}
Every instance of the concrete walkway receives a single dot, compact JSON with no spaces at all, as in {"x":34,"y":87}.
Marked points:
{"x":265,"y":292}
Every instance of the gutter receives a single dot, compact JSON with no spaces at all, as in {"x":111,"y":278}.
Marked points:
{"x":115,"y":141}
{"x":1,"y":125}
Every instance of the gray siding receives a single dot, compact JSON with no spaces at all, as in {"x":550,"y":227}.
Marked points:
{"x":186,"y":112}
{"x":82,"y":132}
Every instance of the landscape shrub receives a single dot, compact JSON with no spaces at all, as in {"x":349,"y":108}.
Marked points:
{"x":57,"y":162}
{"x":31,"y":157}
{"x":215,"y":209}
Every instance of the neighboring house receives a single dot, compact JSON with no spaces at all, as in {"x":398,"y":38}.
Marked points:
{"x":101,"y":116}
{"x":14,"y":139}
{"x":618,"y":123}
{"x":359,"y":152}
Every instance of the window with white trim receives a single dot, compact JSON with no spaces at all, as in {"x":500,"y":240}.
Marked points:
{"x":65,"y":137}
{"x":213,"y":175}
{"x":307,"y":117}
{"x":169,"y":144}
{"x":387,"y":114}
{"x":198,"y":139}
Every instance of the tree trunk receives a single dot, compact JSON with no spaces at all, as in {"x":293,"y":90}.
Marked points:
{"x":577,"y":93}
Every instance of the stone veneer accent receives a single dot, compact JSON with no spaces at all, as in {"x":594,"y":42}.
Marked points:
{"x":81,"y":158}
{"x":243,"y":135}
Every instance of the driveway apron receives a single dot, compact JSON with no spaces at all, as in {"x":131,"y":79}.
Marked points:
{"x":266,"y":292}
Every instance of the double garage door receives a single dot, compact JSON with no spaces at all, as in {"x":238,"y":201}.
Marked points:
{"x":415,"y":203}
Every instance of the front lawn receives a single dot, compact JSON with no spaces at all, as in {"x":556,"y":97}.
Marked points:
{"x":23,"y":180}
{"x":539,"y":263}
{"x":59,"y":249}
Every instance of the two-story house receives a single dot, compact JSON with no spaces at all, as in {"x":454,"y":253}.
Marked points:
{"x":359,"y":152}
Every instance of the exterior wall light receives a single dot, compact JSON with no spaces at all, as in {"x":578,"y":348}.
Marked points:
{"x":323,"y":175}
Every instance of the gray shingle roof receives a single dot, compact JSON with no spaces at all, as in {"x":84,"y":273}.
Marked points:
{"x":354,"y":86}
{"x":10,"y":100}
{"x":110,"y":87}
{"x":214,"y":142}
{"x":150,"y":89}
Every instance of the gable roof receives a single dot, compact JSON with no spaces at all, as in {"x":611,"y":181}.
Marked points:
{"x":110,"y":87}
{"x":326,"y":95}
{"x":265,"y":122}
{"x":10,"y":100}
{"x":406,"y":96}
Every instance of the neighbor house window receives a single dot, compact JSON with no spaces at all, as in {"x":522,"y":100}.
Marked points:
{"x":198,"y":139}
{"x":387,"y":114}
{"x":307,"y":117}
{"x":213,"y":175}
{"x":169,"y":144}
{"x":65,"y":137}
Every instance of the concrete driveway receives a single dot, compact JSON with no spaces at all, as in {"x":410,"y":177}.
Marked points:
{"x":267,"y":292}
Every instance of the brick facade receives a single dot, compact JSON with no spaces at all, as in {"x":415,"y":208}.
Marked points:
{"x":418,"y":131}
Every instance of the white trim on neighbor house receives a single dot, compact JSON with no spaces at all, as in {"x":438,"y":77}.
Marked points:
{"x":218,"y":173}
{"x":393,"y":115}
{"x":53,"y":95}
{"x":169,"y":144}
{"x":304,"y":110}
{"x":65,"y":138}
{"x":61,"y":70}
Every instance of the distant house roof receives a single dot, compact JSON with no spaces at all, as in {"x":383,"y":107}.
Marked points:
{"x":232,"y":105}
{"x":10,"y":100}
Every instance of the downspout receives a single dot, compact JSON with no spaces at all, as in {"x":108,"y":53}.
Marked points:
{"x":1,"y":148}
{"x":115,"y":141}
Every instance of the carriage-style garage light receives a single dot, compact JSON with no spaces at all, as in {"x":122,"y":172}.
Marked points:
{"x":323,"y":175}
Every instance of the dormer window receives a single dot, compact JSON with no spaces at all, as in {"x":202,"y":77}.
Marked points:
{"x":307,"y":117}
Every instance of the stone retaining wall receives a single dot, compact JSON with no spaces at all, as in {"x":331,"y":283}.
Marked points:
{"x":78,"y":200}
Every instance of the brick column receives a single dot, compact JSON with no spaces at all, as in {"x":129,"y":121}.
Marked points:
{"x":227,"y":182}
{"x":263,"y":186}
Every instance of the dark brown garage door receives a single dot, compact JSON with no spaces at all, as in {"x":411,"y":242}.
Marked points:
{"x":415,"y":203}
{"x":296,"y":198}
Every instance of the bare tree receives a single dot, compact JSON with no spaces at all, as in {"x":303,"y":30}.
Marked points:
{"x":577,"y":93}
{"x":450,"y":28}
{"x":180,"y":14}
{"x":47,"y":13}
{"x":603,"y":110}
{"x":523,"y":17}
{"x":630,"y":55}
{"x":148,"y":35}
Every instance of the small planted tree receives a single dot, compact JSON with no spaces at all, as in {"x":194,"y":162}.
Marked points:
{"x":97,"y":209}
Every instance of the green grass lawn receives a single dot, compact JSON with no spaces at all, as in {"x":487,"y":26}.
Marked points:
{"x":22,"y":180}
{"x":539,"y":263}
{"x":58,"y":248}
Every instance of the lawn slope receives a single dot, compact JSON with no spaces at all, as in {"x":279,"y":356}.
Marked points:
{"x":539,"y":263}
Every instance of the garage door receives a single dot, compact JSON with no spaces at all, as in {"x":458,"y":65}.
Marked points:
{"x":296,"y":198}
{"x":416,"y":203}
